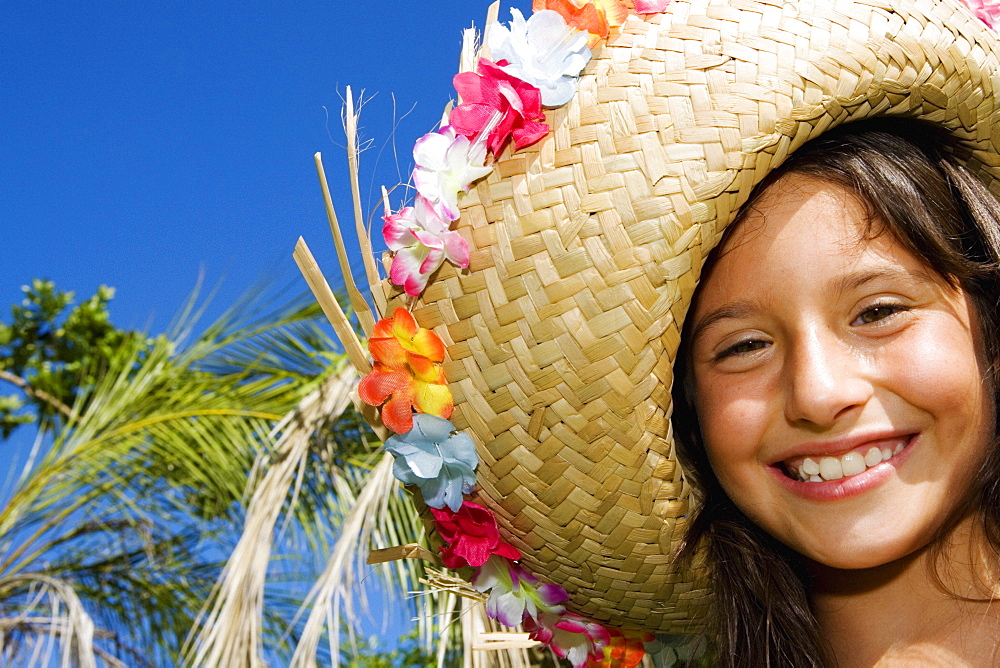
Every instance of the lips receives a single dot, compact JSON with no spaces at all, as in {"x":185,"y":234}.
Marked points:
{"x":836,"y":461}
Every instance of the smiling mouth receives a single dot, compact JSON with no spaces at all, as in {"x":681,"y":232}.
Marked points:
{"x":830,"y":467}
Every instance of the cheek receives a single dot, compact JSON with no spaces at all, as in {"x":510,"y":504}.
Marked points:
{"x":944,"y":375}
{"x":733,"y":417}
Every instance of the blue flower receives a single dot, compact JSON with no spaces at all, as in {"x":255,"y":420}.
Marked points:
{"x":436,"y":459}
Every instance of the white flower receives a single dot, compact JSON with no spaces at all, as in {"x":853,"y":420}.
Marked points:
{"x":542,"y":51}
{"x":447,"y":164}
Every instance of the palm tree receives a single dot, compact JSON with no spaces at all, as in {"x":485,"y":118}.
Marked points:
{"x":116,"y":528}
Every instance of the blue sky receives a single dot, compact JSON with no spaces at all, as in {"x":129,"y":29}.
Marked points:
{"x":143,"y":143}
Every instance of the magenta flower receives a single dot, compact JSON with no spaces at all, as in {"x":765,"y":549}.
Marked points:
{"x":514,"y":593}
{"x":422,"y":241}
{"x":493,"y":92}
{"x":570,"y":636}
{"x":447,"y":164}
{"x":472,"y":534}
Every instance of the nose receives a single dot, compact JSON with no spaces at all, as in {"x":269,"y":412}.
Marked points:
{"x":825,"y":379}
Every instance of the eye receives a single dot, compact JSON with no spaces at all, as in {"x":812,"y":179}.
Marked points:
{"x":742,"y":348}
{"x":878,"y":312}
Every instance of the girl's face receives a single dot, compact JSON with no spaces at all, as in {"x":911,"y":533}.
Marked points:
{"x":839,"y":382}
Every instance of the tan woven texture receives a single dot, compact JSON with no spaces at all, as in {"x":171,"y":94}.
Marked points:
{"x":587,"y":248}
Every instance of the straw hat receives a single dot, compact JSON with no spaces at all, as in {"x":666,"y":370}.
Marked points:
{"x":587,"y":246}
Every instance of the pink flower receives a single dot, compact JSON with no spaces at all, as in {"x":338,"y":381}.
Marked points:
{"x":650,"y":6}
{"x":514,"y":593}
{"x":472,"y":536}
{"x":422,"y":241}
{"x":447,"y":163}
{"x":570,"y":636}
{"x":491,"y":92}
{"x":988,"y":11}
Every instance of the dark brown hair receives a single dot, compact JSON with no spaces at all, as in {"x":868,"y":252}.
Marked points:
{"x":910,"y":178}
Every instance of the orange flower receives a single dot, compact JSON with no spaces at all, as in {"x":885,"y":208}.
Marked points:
{"x":407,"y":373}
{"x":584,"y":17}
{"x":614,"y":11}
{"x":625,"y":650}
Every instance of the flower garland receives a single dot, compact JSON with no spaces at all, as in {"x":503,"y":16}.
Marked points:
{"x":538,"y":62}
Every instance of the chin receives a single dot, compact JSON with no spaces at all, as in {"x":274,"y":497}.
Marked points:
{"x":863,"y":558}
{"x":870,"y":547}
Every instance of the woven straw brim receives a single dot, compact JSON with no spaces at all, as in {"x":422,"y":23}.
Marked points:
{"x":587,"y":248}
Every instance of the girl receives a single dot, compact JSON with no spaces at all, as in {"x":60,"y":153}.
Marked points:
{"x":839,"y":385}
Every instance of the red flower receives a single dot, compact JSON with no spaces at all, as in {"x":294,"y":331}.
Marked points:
{"x":493,"y":92}
{"x":407,"y":373}
{"x":472,"y":536}
{"x":625,"y":650}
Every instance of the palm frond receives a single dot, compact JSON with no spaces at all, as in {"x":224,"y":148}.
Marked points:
{"x":338,"y":580}
{"x":230,"y":631}
{"x":126,"y":505}
{"x":34,"y":631}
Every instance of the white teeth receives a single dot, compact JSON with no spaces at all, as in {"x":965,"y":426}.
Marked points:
{"x":810,"y":467}
{"x":830,"y":468}
{"x":835,"y":468}
{"x":873,"y":457}
{"x":852,"y":464}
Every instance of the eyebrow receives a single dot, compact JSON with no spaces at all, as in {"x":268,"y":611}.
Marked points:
{"x":857,"y":279}
{"x":851,"y":281}
{"x":735,"y":310}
